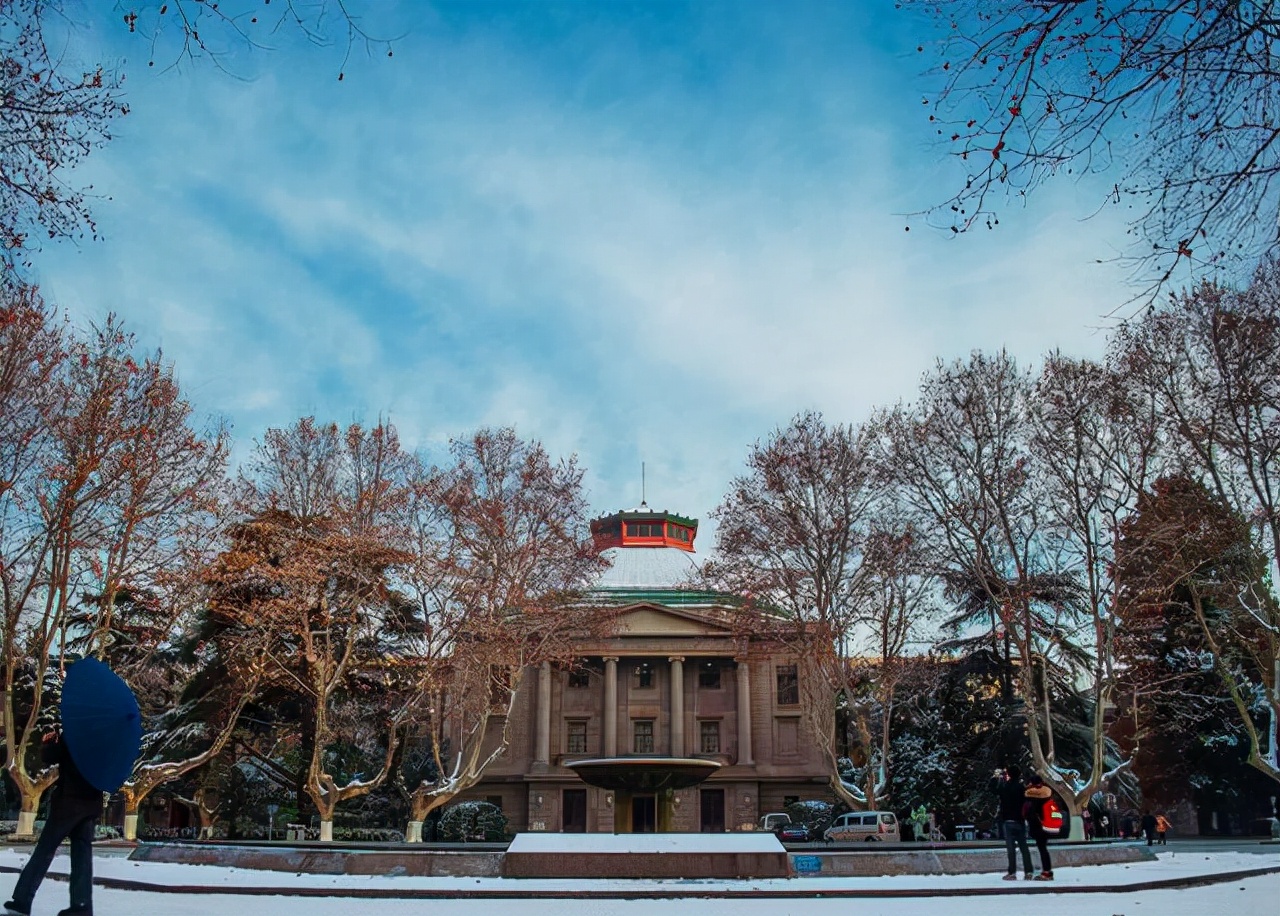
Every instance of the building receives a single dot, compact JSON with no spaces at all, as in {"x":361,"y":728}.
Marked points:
{"x":674,"y":672}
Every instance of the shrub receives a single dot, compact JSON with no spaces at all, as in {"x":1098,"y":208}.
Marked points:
{"x":472,"y":820}
{"x":814,"y":814}
{"x":368,"y":834}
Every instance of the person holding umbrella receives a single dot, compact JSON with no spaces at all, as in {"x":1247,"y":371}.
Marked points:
{"x":95,"y":750}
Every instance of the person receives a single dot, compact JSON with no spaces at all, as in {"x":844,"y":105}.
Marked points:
{"x":1007,"y":784}
{"x":1104,"y":826}
{"x":1162,"y":830}
{"x":74,"y":808}
{"x":1149,"y":826}
{"x":1086,"y":820}
{"x":1036,"y":795}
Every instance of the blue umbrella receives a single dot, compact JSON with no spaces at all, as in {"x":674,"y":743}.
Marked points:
{"x":100,"y":723}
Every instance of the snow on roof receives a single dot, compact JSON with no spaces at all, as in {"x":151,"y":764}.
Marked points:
{"x":648,"y":567}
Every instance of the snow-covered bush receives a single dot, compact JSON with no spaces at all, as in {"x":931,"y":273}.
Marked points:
{"x":472,"y":820}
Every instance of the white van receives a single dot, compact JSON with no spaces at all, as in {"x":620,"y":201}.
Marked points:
{"x":871,"y":826}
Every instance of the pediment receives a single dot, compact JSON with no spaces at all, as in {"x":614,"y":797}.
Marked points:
{"x":654,"y":620}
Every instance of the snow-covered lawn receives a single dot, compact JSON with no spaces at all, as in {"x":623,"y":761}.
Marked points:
{"x":1240,"y":898}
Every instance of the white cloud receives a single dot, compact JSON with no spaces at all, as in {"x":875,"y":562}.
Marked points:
{"x":454,"y":243}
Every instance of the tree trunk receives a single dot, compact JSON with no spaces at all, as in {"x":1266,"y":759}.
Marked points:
{"x":326,"y":831}
{"x":27,"y":815}
{"x":131,"y":825}
{"x":413,"y":833}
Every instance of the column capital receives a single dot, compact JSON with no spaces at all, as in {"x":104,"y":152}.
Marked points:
{"x":610,"y":658}
{"x":675,"y":658}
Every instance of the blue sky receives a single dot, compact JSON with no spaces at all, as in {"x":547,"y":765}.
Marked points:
{"x":638,"y":232}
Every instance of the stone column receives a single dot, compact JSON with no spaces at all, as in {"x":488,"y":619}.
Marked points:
{"x":611,"y":707}
{"x":677,"y":705}
{"x":744,"y":714}
{"x":542,"y":745}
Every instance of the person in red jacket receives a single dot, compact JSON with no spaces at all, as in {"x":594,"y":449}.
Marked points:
{"x":74,"y":808}
{"x":1037,"y":794}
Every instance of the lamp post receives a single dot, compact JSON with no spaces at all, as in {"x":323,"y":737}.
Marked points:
{"x":271,"y":821}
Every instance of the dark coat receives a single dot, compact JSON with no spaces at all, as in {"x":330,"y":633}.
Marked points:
{"x":1010,"y":792}
{"x":72,"y":793}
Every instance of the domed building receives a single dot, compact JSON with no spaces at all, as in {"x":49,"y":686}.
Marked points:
{"x":676,"y":679}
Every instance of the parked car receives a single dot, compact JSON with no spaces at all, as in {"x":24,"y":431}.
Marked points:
{"x":871,"y":826}
{"x":774,"y":822}
{"x":794,"y":833}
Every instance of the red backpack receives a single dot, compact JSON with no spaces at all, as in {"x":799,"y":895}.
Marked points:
{"x":1051,"y":817}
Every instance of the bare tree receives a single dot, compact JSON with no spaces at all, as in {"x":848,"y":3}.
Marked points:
{"x":1095,"y":438}
{"x":307,"y":574}
{"x":54,"y":113}
{"x":32,"y":354}
{"x":502,"y":550}
{"x":792,"y":533}
{"x":962,"y":462}
{"x":106,"y":483}
{"x":1175,"y":103}
{"x":56,"y":110}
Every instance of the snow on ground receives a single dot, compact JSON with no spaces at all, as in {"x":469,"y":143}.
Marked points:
{"x":1251,"y":897}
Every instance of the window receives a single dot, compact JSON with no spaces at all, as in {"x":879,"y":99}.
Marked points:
{"x":679,"y":533}
{"x":644,"y":675}
{"x":579,"y":678}
{"x":788,"y":686}
{"x":576,"y":737}
{"x":786,"y":742}
{"x":709,"y":675}
{"x":644,"y":529}
{"x":642,"y":732}
{"x":709,"y":735}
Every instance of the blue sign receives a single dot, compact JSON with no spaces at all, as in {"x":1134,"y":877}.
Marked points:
{"x":807,"y":865}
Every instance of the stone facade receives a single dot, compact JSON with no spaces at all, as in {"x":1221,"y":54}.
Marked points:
{"x":661,"y":680}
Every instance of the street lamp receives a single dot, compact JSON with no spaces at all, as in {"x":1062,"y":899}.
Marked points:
{"x":271,"y":821}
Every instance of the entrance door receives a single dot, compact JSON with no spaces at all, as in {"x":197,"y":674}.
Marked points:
{"x":574,"y":808}
{"x":712,"y":802}
{"x":644,"y":814}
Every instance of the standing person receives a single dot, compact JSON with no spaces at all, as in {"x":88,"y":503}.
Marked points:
{"x":1149,"y":826}
{"x":1007,"y":784}
{"x":1162,"y":830}
{"x":1036,"y":795}
{"x":73,"y":812}
{"x":1086,"y":819}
